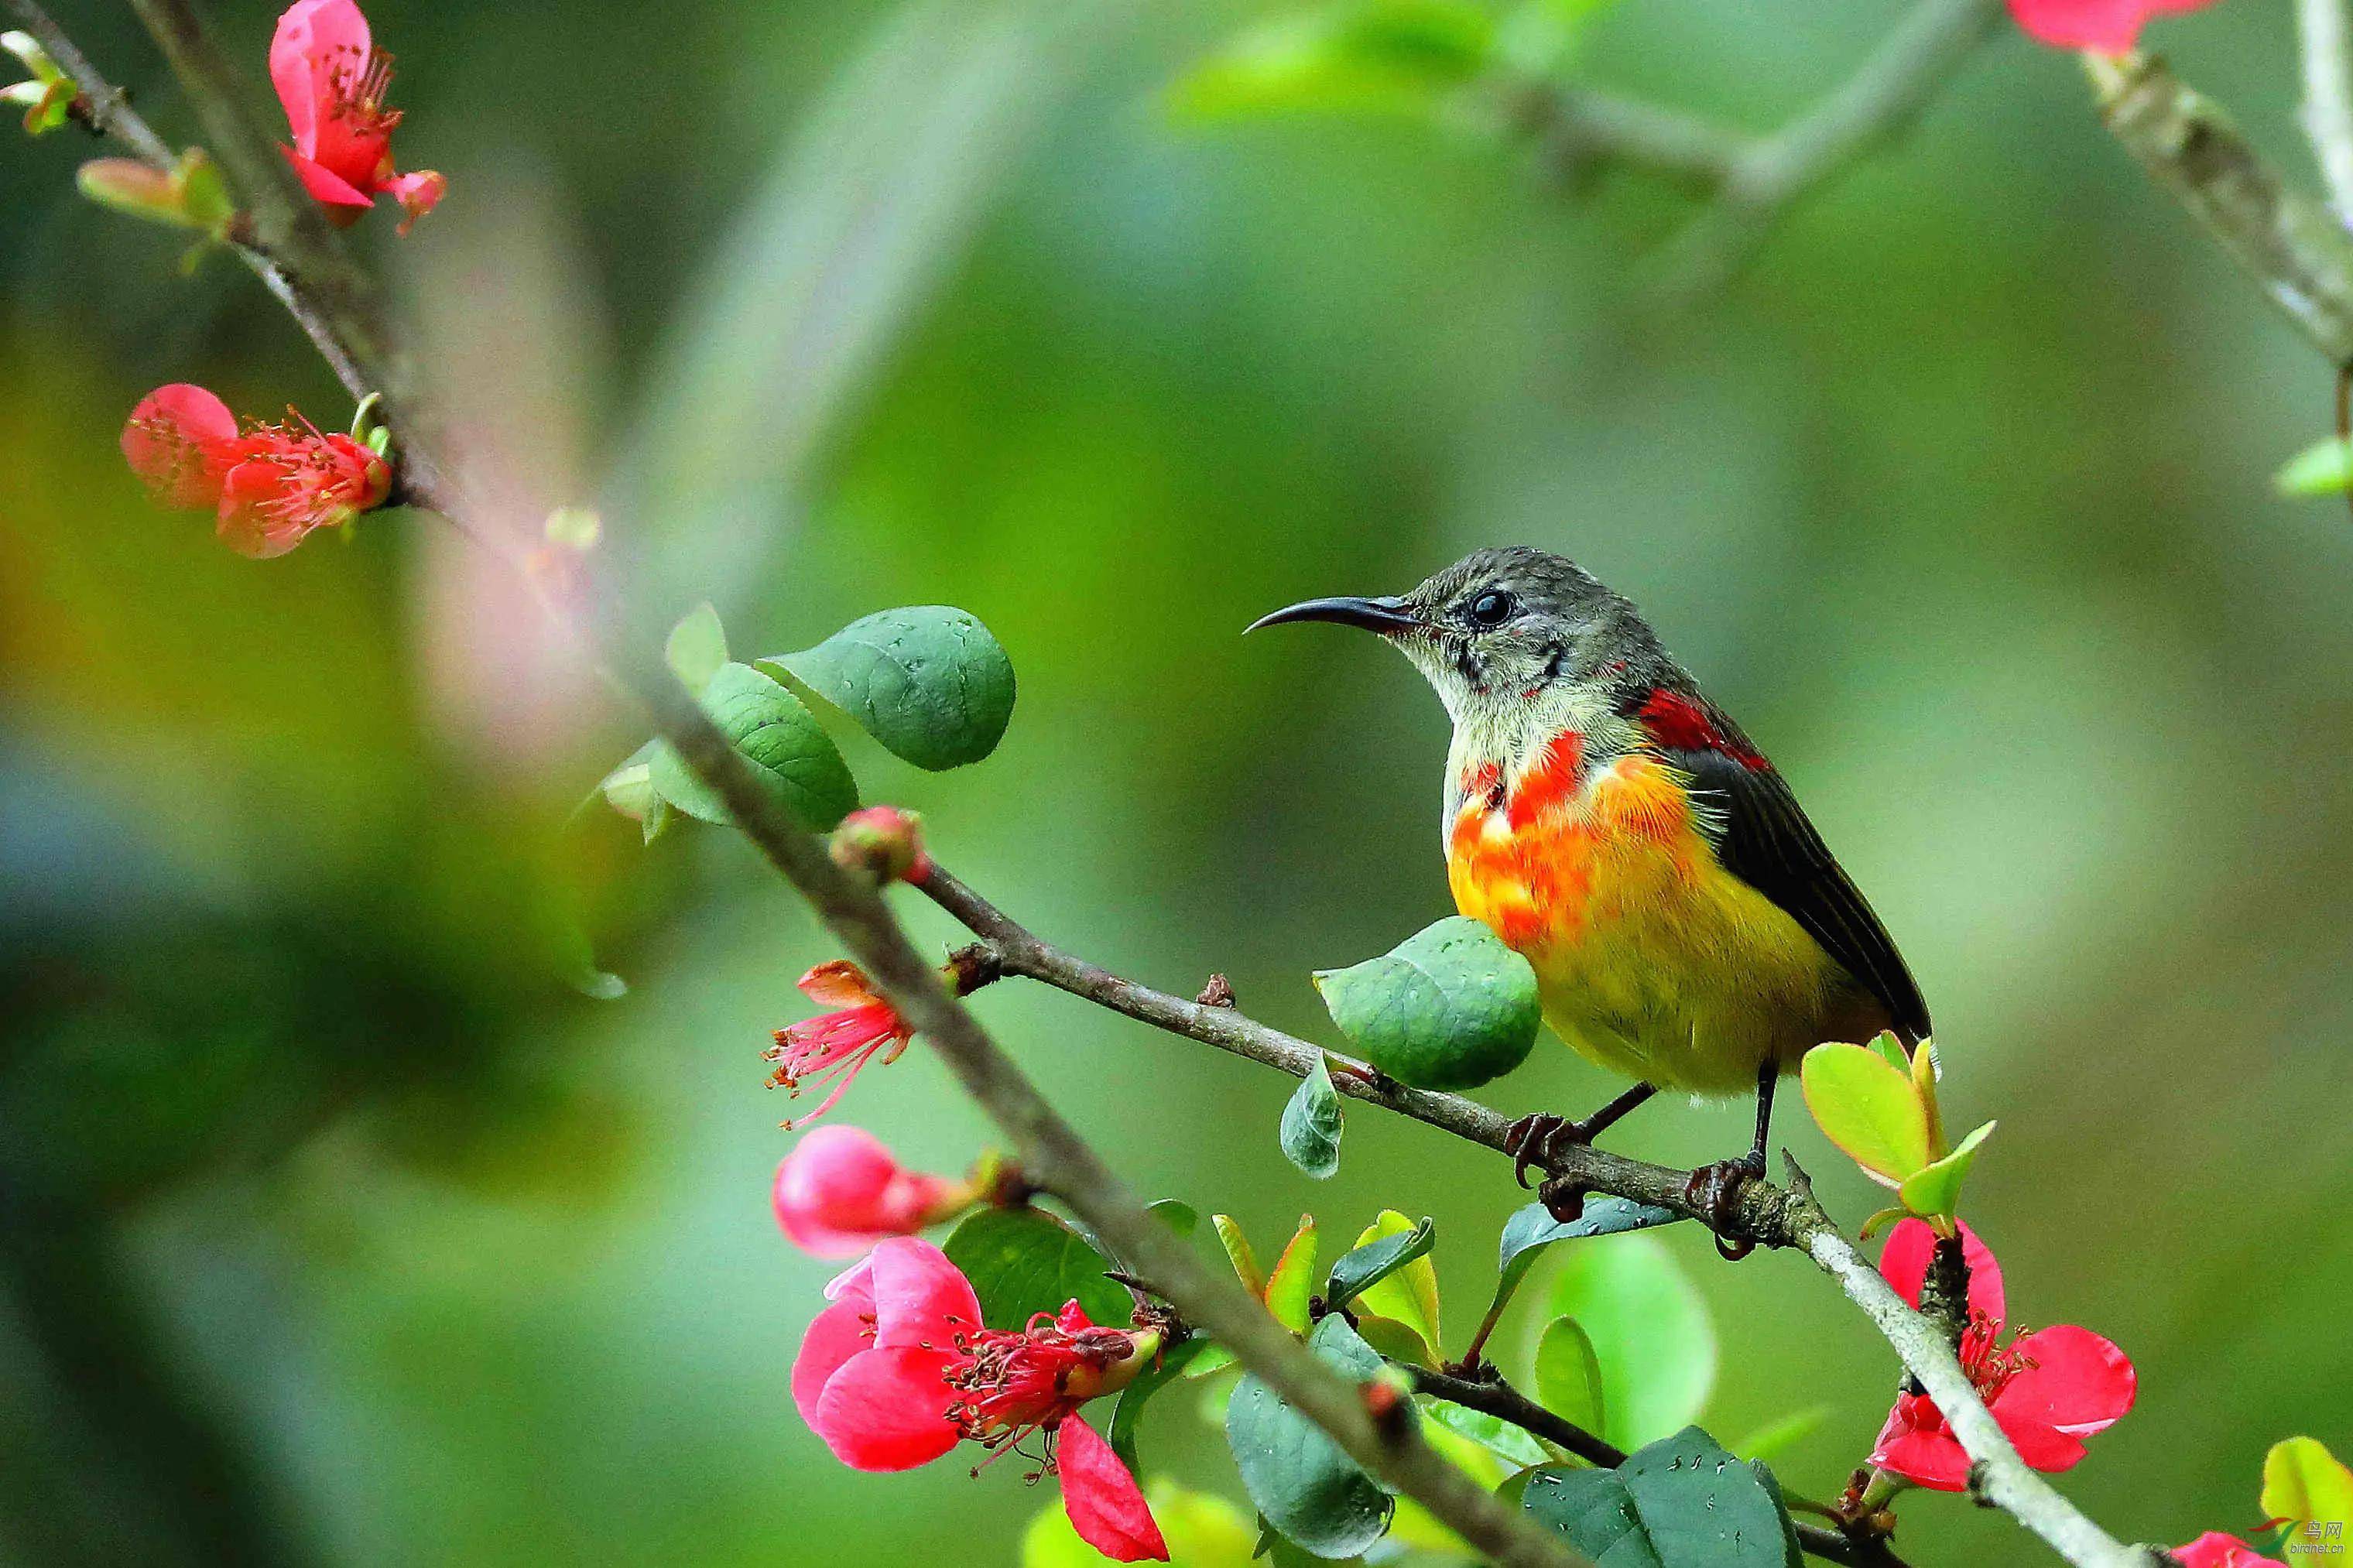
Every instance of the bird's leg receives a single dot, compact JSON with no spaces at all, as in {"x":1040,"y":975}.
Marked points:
{"x":1534,"y":1140}
{"x":1714,"y":1190}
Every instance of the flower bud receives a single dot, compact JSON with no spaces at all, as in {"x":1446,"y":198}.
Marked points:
{"x":189,"y":195}
{"x":49,"y":98}
{"x":840,"y":1191}
{"x":884,"y":842}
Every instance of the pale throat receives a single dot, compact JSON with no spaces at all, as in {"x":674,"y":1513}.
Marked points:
{"x":1498,"y":741}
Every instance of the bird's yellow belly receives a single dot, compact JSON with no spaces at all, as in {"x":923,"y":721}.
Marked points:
{"x":1653,"y":961}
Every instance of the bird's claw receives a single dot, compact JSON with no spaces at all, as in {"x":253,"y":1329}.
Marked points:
{"x":1563,"y":1199}
{"x":1713,"y":1191}
{"x":1535,"y":1139}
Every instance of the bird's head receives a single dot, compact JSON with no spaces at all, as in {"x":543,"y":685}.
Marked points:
{"x":1502,"y":630}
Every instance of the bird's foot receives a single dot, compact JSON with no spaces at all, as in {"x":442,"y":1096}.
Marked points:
{"x":1563,"y":1198}
{"x":1713,"y":1190}
{"x":1536,"y":1139}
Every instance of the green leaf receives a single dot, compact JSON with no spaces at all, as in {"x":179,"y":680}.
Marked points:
{"x":1394,"y":1340}
{"x":1310,"y":1132}
{"x":1201,"y":1531}
{"x":1568,"y":1375}
{"x":1024,"y":1261}
{"x":1530,"y":1229}
{"x":1450,"y":1007}
{"x":1301,"y":1481}
{"x":1493,"y":1433}
{"x":1780,"y":1436}
{"x":1869,"y":1109}
{"x":696,"y":647}
{"x":1127,"y":1410}
{"x":1650,"y":1331}
{"x":787,"y":747}
{"x":1238,"y":1253}
{"x":928,"y":681}
{"x":629,"y":788}
{"x":1177,"y":1215}
{"x":1289,"y":1288}
{"x":2302,"y":1480}
{"x":2323,"y":468}
{"x":1681,"y":1502}
{"x":1936,"y":1189}
{"x":1378,"y":56}
{"x":1388,"y":1245}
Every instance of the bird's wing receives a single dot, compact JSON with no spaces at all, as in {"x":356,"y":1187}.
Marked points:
{"x":1763,"y":838}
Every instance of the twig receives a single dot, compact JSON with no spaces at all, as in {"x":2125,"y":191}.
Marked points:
{"x":2328,"y":112}
{"x":1777,"y":1217}
{"x":1877,"y":102}
{"x":1494,"y":1397}
{"x":2291,"y":245}
{"x":1576,"y":128}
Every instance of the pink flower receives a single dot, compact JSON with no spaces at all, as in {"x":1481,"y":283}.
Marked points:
{"x":331,"y":81}
{"x":839,"y":1191}
{"x":2049,"y":1389}
{"x":268,"y":485}
{"x":2216,"y":1550}
{"x":836,"y":1045}
{"x":2111,"y":26}
{"x":899,"y":1370}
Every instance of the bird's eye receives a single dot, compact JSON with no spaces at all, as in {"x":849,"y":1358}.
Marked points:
{"x":1490,"y":609}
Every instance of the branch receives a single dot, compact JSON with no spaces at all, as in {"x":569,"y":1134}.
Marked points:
{"x":1877,"y":102}
{"x":1575,"y":128}
{"x":1777,"y":1217}
{"x":2291,"y":245}
{"x":2328,"y":95}
{"x":1495,"y":1397}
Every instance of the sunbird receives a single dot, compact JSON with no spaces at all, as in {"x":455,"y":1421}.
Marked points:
{"x":1687,"y":926}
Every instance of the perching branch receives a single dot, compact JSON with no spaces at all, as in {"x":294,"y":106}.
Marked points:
{"x":1776,"y":1217}
{"x":2292,"y":246}
{"x":1873,"y":104}
{"x":1052,"y":1151}
{"x":1575,"y":128}
{"x":2328,"y":112}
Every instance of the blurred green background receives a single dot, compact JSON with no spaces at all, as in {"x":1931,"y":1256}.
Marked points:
{"x":332,"y":1230}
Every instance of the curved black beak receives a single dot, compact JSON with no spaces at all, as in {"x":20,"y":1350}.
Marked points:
{"x":1386,"y":617}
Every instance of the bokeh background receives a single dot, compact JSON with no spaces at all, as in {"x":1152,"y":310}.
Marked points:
{"x":334,"y":1230}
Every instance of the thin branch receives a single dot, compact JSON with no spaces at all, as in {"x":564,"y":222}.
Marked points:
{"x":1873,"y":105}
{"x":1575,"y":128}
{"x":1494,"y":1397}
{"x":1777,"y":1217}
{"x":2328,"y":113}
{"x":2291,"y":245}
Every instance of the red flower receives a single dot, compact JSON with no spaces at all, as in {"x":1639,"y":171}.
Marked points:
{"x":2110,"y":25}
{"x":899,"y":1370}
{"x":840,"y":1192}
{"x":836,"y":1045}
{"x":2049,"y":1389}
{"x":2216,"y":1550}
{"x":269,"y":485}
{"x":331,"y":81}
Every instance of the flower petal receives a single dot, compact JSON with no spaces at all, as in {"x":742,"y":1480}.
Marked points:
{"x":838,"y":1333}
{"x":887,"y":1410}
{"x":1903,"y":1263}
{"x":312,"y":36}
{"x":178,"y":441}
{"x":920,"y":1297}
{"x":418,"y":192}
{"x":1917,"y":1444}
{"x":832,"y":1192}
{"x":2075,"y":1381}
{"x":1106,"y":1506}
{"x":2110,"y":26}
{"x":2216,"y":1550}
{"x":326,"y":186}
{"x":838,"y":983}
{"x":2043,"y":1446}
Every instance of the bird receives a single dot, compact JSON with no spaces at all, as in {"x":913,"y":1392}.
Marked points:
{"x":1687,"y":926}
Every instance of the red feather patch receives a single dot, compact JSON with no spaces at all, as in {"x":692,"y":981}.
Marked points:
{"x":1549,"y":780}
{"x":1680,"y":724}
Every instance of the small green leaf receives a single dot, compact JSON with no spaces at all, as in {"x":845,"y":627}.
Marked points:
{"x":2302,"y":1480}
{"x":1293,"y":1283}
{"x":2323,"y":468}
{"x":787,"y":747}
{"x":1358,"y":56}
{"x":1238,"y":1253}
{"x":1780,"y":1436}
{"x":1024,"y":1261}
{"x":1389,"y":1244}
{"x":696,"y":647}
{"x":1127,"y":1410}
{"x":629,"y":788}
{"x":1681,"y":1502}
{"x":1302,"y":1482}
{"x":1493,"y":1433}
{"x":1568,"y":1376}
{"x":1532,"y":1228}
{"x":1651,"y":1333}
{"x":928,"y":681}
{"x":1935,"y":1188}
{"x":1310,"y":1132}
{"x":1177,"y":1215}
{"x":1394,"y":1340}
{"x":1869,"y":1109}
{"x":1450,"y":1007}
{"x":1214,"y":1359}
